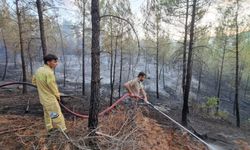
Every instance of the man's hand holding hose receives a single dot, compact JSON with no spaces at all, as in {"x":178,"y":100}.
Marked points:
{"x":145,"y":99}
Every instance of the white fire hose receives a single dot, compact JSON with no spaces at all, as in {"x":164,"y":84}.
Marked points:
{"x":210,"y":147}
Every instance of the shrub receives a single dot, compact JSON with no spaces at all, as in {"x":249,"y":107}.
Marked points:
{"x":211,"y":102}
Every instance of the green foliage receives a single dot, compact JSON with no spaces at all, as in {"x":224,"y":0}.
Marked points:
{"x":211,"y":102}
{"x":210,"y":106}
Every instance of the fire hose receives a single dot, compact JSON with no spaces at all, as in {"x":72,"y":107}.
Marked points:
{"x":83,"y":116}
{"x":101,"y":113}
{"x":181,"y":126}
{"x":115,"y":104}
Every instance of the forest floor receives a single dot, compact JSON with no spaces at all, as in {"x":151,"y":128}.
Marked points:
{"x":123,"y":128}
{"x":22,"y":129}
{"x":214,"y":130}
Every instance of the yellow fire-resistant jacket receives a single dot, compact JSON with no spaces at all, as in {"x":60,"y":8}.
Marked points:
{"x":45,"y":81}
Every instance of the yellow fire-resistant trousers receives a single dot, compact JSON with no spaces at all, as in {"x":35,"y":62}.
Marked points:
{"x":57,"y":122}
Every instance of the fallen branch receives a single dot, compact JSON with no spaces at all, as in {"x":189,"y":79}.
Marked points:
{"x":14,"y":130}
{"x":17,"y":129}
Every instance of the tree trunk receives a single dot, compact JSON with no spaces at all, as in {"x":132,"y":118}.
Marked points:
{"x":6,"y":57}
{"x":220,"y":76}
{"x":130,"y":63}
{"x":177,"y":81}
{"x":160,"y":73}
{"x":217,"y":75}
{"x":199,"y":82}
{"x":95,"y":71}
{"x":30,"y":58}
{"x":41,"y":25}
{"x":64,"y":60}
{"x":21,"y":46}
{"x":83,"y":47}
{"x":114,"y":71}
{"x":237,"y":68}
{"x":121,"y":64}
{"x":184,"y":63}
{"x":157,"y":58}
{"x":15,"y":65}
{"x":246,"y":87}
{"x":111,"y":64}
{"x":64,"y":57}
{"x":163,"y":72}
{"x":189,"y":67}
{"x":64,"y":71}
{"x":146,"y":61}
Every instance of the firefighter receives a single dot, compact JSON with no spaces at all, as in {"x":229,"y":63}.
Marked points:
{"x":135,"y":87}
{"x":49,"y":95}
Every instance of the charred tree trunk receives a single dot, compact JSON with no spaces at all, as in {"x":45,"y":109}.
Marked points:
{"x":157,"y":58}
{"x":83,"y":47}
{"x":177,"y":81}
{"x":21,"y":45}
{"x":64,"y":57}
{"x":111,"y":64}
{"x":246,"y":87}
{"x":184,"y":63}
{"x":237,"y":68}
{"x":217,"y":75}
{"x":199,"y":82}
{"x":95,"y":71}
{"x":130,"y":63}
{"x":220,"y":76}
{"x":64,"y":71}
{"x":6,"y":56}
{"x":160,"y":74}
{"x":15,"y":65}
{"x":121,"y":64}
{"x":189,"y":67}
{"x":241,"y":68}
{"x":41,"y":25}
{"x":163,"y":72}
{"x":114,"y":70}
{"x":30,"y":58}
{"x":146,"y":61}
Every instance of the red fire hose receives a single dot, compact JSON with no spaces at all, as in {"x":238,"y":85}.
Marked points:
{"x":101,"y":113}
{"x":66,"y":108}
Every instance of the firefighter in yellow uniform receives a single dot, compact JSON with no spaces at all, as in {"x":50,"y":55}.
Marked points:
{"x":49,"y":95}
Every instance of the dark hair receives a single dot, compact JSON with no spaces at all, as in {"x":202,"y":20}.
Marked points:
{"x":142,"y":74}
{"x":49,"y":57}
